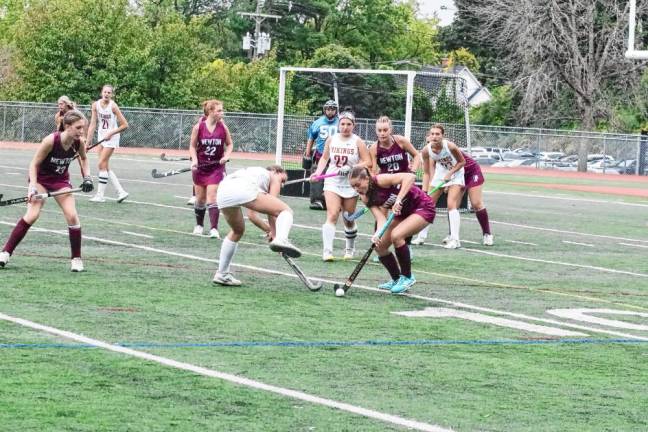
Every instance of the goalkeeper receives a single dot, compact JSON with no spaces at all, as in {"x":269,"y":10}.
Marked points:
{"x":318,"y":132}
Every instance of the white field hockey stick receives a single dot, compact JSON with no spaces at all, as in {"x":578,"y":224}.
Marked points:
{"x":39,"y":196}
{"x":311,"y":285}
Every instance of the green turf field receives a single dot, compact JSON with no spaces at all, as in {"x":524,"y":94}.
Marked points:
{"x":484,"y":354}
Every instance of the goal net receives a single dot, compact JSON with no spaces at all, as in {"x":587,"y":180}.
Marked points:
{"x":414,"y":100}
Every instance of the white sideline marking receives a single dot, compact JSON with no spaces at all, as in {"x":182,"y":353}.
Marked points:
{"x":364,"y":287}
{"x":521,"y":242}
{"x":567,"y":232}
{"x":434,"y":312}
{"x":295,"y":394}
{"x":138,"y":234}
{"x":14,"y":173}
{"x":583,"y":314}
{"x":577,"y":243}
{"x":567,"y":198}
{"x":634,"y":245}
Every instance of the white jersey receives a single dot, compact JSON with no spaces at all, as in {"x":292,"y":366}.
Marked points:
{"x":445,"y":160}
{"x":342,"y":152}
{"x":242,"y":186}
{"x":106,"y":121}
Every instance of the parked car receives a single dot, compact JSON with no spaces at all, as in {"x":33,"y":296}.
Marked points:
{"x":550,"y":156}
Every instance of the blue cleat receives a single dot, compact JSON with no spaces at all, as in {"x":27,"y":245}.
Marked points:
{"x":388,"y":285}
{"x":403,"y":284}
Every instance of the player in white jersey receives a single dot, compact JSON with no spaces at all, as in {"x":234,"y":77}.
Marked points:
{"x":109,"y":122}
{"x":344,"y":150}
{"x":444,"y":163}
{"x":256,"y":189}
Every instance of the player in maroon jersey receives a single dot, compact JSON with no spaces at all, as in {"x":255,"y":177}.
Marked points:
{"x":48,"y":172}
{"x":474,"y":180}
{"x":64,"y":105}
{"x":210,"y":148}
{"x":413,"y":210}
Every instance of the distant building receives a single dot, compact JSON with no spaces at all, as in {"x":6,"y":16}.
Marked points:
{"x":477,"y":94}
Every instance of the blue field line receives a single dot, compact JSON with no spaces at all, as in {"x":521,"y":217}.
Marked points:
{"x":325,"y":344}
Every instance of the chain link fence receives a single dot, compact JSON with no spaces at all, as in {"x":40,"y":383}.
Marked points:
{"x":256,"y":133}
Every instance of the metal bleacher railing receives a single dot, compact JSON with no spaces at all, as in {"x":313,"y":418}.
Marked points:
{"x":253,"y":132}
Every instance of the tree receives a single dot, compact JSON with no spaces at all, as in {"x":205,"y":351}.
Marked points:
{"x":553,"y":46}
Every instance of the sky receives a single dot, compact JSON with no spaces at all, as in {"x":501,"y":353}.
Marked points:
{"x":429,"y":7}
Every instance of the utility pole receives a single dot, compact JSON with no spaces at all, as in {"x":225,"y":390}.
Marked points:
{"x":261,"y":41}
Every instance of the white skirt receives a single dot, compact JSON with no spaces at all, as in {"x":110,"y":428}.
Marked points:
{"x":340,"y":186}
{"x":113,"y":142}
{"x":234,"y":192}
{"x":456,"y":179}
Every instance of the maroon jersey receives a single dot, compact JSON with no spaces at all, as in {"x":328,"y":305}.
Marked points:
{"x":472,"y":173}
{"x":58,"y":160}
{"x":211,"y":145}
{"x":415,"y":202}
{"x":393,"y":159}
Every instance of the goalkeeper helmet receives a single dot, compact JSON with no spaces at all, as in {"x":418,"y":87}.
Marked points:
{"x":330,"y":104}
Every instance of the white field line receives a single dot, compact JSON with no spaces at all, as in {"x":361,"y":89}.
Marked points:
{"x":363,"y":287}
{"x":567,"y":198}
{"x":634,"y":245}
{"x":239,"y":380}
{"x":577,"y":243}
{"x":521,"y":242}
{"x":138,"y":234}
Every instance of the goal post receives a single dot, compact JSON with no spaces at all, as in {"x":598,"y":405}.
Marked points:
{"x":414,"y":100}
{"x":632,"y":51}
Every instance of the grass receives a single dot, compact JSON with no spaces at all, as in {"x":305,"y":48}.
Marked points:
{"x":155,"y":294}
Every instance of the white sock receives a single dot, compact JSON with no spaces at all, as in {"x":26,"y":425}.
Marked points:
{"x":228,"y":249}
{"x":424,"y":232}
{"x":455,"y":221}
{"x":283,"y":224}
{"x":350,"y":234}
{"x":115,"y":182}
{"x":103,"y":181}
{"x":328,"y":234}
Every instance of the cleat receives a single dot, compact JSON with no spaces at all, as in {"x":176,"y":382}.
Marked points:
{"x":285,"y":247}
{"x":213,"y":233}
{"x":387,"y":285}
{"x":403,"y":284}
{"x":348,"y":254}
{"x":446,"y":240}
{"x":317,"y":205}
{"x":418,"y":240}
{"x":226,"y":279}
{"x":122,"y":196}
{"x":98,"y":199}
{"x":328,"y":256}
{"x":487,"y":240}
{"x":76,"y":265}
{"x":452,"y":244}
{"x":198,"y":230}
{"x":192,"y":201}
{"x":4,"y":258}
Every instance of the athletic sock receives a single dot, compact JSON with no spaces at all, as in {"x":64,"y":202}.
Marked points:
{"x":455,"y":221}
{"x":214,"y":213}
{"x":199,"y":211}
{"x":115,"y":182}
{"x":228,"y":249}
{"x":390,"y":263}
{"x":103,"y":181}
{"x":283,"y":224}
{"x":16,"y":236}
{"x":482,"y":218}
{"x":328,"y":234}
{"x":404,"y":260}
{"x":75,"y":240}
{"x":424,"y":232}
{"x":350,"y":234}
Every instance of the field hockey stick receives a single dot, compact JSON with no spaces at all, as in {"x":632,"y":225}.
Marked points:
{"x":164,"y":157}
{"x":355,"y":215}
{"x":316,"y":178}
{"x":157,"y":174}
{"x":311,"y":285}
{"x":340,"y":290}
{"x":437,"y":188}
{"x":39,"y":196}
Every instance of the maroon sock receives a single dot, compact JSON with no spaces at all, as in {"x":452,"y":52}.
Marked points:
{"x":482,"y":218}
{"x":17,"y":234}
{"x":200,"y":215}
{"x":214,"y":213}
{"x":75,"y":241}
{"x":404,"y":260}
{"x":389,"y":261}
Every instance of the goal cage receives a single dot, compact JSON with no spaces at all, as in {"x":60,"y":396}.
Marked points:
{"x":637,"y":31}
{"x":413,"y":100}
